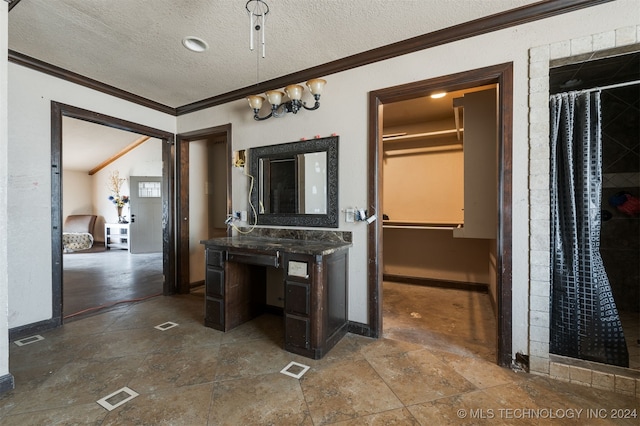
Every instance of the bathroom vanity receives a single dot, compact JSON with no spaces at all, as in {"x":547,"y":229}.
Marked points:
{"x":315,"y":287}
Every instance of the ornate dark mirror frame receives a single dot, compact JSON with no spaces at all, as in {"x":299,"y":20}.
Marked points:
{"x":328,"y":145}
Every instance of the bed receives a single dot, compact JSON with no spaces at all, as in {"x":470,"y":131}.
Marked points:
{"x":77,"y":232}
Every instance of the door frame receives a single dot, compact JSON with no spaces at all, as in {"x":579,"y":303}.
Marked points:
{"x":182,"y":200}
{"x":501,"y":74}
{"x":60,"y":110}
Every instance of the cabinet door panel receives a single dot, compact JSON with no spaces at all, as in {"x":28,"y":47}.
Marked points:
{"x":214,"y":313}
{"x":297,"y":298}
{"x":297,"y":331}
{"x":215,"y":282}
{"x":215,"y":257}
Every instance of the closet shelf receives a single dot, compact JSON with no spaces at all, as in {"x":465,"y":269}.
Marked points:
{"x":392,"y":224}
{"x":399,"y":137}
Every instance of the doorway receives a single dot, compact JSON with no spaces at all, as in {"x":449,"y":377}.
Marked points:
{"x":500,"y":75}
{"x":203,"y":202}
{"x":60,"y":112}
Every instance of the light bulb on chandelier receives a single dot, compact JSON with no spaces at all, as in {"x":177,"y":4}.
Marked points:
{"x":294,"y":104}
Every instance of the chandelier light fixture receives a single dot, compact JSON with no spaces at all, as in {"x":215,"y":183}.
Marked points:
{"x":294,"y":104}
{"x":258,"y":10}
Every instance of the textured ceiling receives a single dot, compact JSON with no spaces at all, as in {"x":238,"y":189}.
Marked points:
{"x":135,"y":45}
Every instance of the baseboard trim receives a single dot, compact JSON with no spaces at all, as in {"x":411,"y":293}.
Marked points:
{"x":196,"y":284}
{"x":36,"y":327}
{"x":360,"y":328}
{"x":7,"y":383}
{"x":457,"y":285}
{"x":274,"y":310}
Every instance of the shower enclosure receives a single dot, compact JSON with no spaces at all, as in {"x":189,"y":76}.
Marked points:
{"x":595,"y":312}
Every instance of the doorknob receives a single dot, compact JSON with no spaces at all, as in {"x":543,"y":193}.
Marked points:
{"x":185,"y":219}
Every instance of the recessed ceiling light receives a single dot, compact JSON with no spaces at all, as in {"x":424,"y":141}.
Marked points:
{"x":195,"y":44}
{"x":439,"y":95}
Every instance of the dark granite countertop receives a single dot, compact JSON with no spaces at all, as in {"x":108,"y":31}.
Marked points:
{"x":313,"y":247}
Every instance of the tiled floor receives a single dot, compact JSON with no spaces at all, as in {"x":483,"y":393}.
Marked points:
{"x":192,"y":375}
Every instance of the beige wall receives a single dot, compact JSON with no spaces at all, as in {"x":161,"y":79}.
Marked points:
{"x":77,"y":188}
{"x":198,"y":208}
{"x":207,"y":200}
{"x":424,"y":185}
{"x":435,"y":254}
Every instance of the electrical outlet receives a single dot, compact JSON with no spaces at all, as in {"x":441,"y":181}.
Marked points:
{"x":243,"y":215}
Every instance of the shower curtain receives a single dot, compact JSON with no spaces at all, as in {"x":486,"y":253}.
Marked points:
{"x":584,"y":319}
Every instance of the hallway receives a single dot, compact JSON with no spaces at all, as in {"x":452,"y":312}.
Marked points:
{"x":192,"y":375}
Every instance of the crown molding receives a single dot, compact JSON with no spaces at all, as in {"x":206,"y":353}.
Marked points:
{"x":522,"y":15}
{"x":46,"y":68}
{"x":510,"y":18}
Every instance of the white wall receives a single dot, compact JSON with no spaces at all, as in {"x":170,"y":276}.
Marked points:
{"x":344,"y":111}
{"x":4,"y":172}
{"x":29,"y":179}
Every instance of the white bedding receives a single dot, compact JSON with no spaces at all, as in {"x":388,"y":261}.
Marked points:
{"x":72,"y":241}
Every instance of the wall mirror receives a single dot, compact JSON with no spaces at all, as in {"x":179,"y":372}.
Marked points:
{"x":296,"y":183}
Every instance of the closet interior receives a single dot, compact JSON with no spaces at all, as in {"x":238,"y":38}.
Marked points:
{"x":440,"y":186}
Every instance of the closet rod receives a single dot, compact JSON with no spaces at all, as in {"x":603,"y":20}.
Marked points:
{"x":444,"y":228}
{"x":611,"y":86}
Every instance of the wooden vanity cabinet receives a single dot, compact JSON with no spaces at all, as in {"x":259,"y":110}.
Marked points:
{"x":235,"y":286}
{"x":315,"y":307}
{"x":214,"y":289}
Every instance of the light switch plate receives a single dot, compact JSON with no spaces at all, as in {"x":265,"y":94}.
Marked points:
{"x":349,"y":215}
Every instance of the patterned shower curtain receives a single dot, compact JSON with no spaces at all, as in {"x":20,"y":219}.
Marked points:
{"x":584,"y":319}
